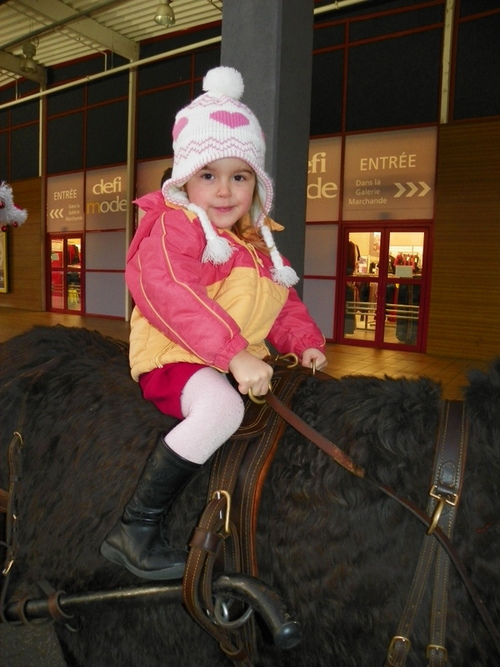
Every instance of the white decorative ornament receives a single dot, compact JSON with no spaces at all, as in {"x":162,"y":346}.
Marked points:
{"x":10,"y":214}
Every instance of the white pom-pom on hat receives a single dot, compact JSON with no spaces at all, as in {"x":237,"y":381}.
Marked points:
{"x":224,"y":81}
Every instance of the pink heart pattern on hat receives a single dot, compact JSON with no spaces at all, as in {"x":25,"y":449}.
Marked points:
{"x":179,"y":126}
{"x":231,"y":119}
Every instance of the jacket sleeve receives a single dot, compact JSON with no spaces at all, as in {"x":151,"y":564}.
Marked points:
{"x":164,"y":276}
{"x":294,"y":329}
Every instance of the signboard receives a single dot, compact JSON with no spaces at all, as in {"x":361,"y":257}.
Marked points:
{"x":390,"y":175}
{"x":65,"y":203}
{"x":106,"y":198}
{"x":323,"y":179}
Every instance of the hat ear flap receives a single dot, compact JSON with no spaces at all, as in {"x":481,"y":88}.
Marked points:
{"x":174,"y":193}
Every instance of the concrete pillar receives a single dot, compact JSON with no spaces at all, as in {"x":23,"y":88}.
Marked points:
{"x":270,"y":43}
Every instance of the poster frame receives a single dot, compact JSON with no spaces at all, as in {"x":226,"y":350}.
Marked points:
{"x":4,"y":266}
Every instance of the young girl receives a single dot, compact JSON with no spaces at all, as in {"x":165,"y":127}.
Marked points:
{"x":210,"y":287}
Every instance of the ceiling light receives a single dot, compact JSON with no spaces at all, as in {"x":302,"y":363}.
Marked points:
{"x":27,"y":63}
{"x":164,"y":14}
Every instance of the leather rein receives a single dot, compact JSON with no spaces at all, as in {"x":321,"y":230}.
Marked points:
{"x":430,"y":522}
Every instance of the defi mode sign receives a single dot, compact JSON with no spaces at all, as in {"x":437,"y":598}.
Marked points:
{"x":114,"y":204}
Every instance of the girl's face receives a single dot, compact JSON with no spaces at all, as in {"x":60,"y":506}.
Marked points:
{"x":224,"y":189}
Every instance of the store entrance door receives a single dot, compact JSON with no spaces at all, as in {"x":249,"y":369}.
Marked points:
{"x":385,"y":281}
{"x":66,"y":273}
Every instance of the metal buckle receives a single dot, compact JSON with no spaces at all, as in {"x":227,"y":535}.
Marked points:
{"x":449,"y":499}
{"x":436,"y":647}
{"x":223,"y":616}
{"x":258,"y":399}
{"x":290,"y":357}
{"x":8,"y":566}
{"x":216,"y":496}
{"x":397,"y":652}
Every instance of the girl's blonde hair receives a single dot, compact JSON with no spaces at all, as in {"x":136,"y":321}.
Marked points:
{"x":245,"y":229}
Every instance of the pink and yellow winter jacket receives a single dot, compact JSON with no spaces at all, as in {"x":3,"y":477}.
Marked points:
{"x":186,"y":310}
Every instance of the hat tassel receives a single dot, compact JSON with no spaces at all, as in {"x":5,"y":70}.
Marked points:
{"x":282,"y":275}
{"x":218,"y":250}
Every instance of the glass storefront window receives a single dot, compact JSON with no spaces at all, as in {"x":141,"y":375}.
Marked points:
{"x":65,"y":274}
{"x":361,"y":290}
{"x":405,"y":261}
{"x":56,"y":274}
{"x":73,"y":278}
{"x":74,"y":290}
{"x":402,"y":314}
{"x":383,"y":286}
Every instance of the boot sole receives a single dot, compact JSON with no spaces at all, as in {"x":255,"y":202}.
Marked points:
{"x":115,"y":556}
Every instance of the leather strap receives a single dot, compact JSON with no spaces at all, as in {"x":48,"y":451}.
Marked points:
{"x":344,"y":460}
{"x":15,"y":467}
{"x":15,"y":454}
{"x":208,"y":540}
{"x":311,"y":434}
{"x":4,"y":501}
{"x":446,"y":485}
{"x":224,"y":539}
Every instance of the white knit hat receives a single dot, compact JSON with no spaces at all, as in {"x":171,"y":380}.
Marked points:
{"x":213,"y":126}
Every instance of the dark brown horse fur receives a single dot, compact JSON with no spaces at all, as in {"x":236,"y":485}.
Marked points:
{"x":340,"y":553}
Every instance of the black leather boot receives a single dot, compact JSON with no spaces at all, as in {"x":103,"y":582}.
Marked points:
{"x":136,"y":541}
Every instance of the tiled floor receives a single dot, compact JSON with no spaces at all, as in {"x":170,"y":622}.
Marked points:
{"x":342,"y":359}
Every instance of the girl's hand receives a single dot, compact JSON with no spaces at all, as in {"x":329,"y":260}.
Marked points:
{"x":251,"y":373}
{"x":312,"y":354}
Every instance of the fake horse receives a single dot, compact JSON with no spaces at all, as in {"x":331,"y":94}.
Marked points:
{"x":340,"y":553}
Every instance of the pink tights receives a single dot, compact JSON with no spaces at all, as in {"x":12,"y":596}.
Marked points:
{"x":212,"y":410}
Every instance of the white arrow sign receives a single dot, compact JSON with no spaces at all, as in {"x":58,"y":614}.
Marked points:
{"x":401,"y":189}
{"x":56,"y":213}
{"x":410,"y":189}
{"x":425,"y":188}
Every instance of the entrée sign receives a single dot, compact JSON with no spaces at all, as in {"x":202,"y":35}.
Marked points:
{"x":390,"y":175}
{"x":65,"y":203}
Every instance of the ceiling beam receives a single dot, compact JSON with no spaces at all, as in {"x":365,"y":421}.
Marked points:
{"x":12,"y":64}
{"x":91,"y":30}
